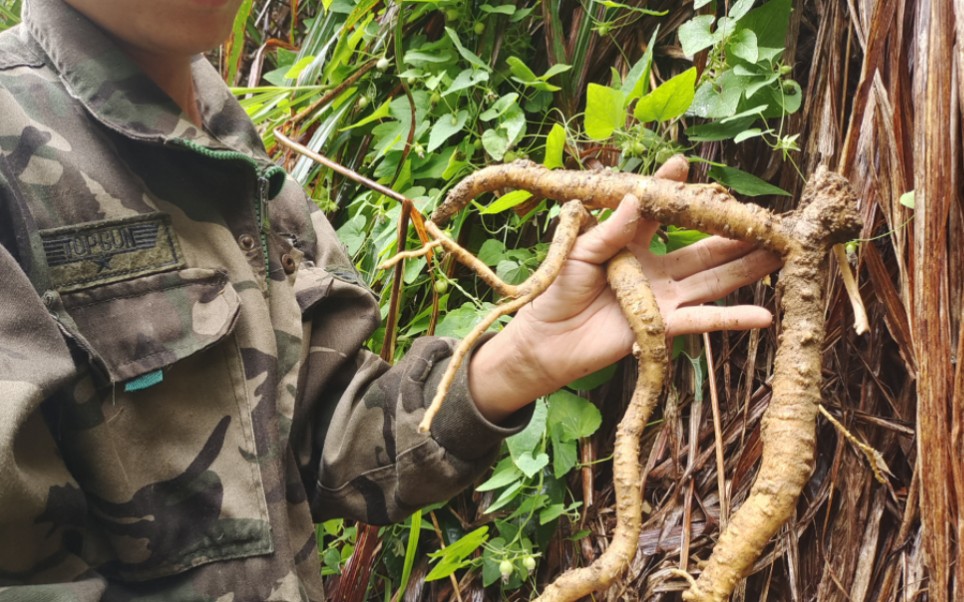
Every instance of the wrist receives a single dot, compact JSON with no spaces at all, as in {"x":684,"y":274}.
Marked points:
{"x":505,"y":375}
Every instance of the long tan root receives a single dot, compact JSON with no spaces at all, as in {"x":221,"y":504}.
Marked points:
{"x":827,"y":216}
{"x":636,"y":299}
{"x":803,"y":238}
{"x":572,"y":218}
{"x":705,"y":207}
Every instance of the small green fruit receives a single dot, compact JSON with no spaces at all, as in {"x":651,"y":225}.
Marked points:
{"x":505,"y":568}
{"x":441,"y":286}
{"x":529,"y":563}
{"x":382,"y":63}
{"x":478,"y":28}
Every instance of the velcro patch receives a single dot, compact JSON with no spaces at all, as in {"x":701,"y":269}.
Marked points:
{"x":94,"y":253}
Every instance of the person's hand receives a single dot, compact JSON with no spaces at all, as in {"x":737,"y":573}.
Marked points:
{"x":577,"y":327}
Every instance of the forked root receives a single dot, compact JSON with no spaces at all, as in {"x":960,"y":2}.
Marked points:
{"x":803,"y":238}
{"x":636,"y":299}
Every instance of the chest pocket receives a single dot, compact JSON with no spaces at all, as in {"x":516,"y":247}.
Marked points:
{"x":135,"y":328}
{"x":169,"y":465}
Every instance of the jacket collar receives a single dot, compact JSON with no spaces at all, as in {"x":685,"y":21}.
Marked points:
{"x":119,"y":95}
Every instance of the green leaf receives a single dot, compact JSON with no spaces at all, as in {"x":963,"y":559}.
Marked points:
{"x":495,"y":142}
{"x":604,"y":111}
{"x":466,"y":79}
{"x":564,"y":456}
{"x":636,"y":83}
{"x":519,"y":69}
{"x":500,"y":107}
{"x":530,"y":465}
{"x":740,"y":8}
{"x":503,"y":474}
{"x":698,"y":4}
{"x":453,"y":557}
{"x":752,"y":111}
{"x":719,"y":99}
{"x":768,"y":54}
{"x":747,"y":134}
{"x":237,"y":39}
{"x":573,"y":416}
{"x":446,"y":127}
{"x":504,"y":9}
{"x":555,"y":147}
{"x":411,"y":548}
{"x":670,"y":100}
{"x":907,"y":199}
{"x":551,"y":513}
{"x":530,"y":438}
{"x":770,"y":22}
{"x":467,"y":54}
{"x":742,"y":44}
{"x":695,"y":34}
{"x":789,"y":96}
{"x":677,"y":238}
{"x":460,"y":321}
{"x":505,"y":202}
{"x":744,"y":183}
{"x":555,"y":70}
{"x":422,"y":58}
{"x":514,"y":124}
{"x":528,"y":506}
{"x":380,"y":113}
{"x":505,"y":497}
{"x":352,"y":233}
{"x":524,"y":75}
{"x":754,"y":81}
{"x":298,"y":67}
{"x":711,"y":132}
{"x":492,"y":251}
{"x":512,"y":272}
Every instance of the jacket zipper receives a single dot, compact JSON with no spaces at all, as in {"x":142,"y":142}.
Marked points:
{"x":261,"y":214}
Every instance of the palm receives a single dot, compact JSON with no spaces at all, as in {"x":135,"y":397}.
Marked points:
{"x":576,"y":326}
{"x":578,"y":320}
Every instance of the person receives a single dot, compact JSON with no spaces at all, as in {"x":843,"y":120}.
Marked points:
{"x":183,"y":382}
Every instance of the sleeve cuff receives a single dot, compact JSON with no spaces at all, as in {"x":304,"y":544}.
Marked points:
{"x":459,"y":427}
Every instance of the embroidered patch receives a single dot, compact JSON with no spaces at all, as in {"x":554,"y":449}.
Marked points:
{"x":101,"y":252}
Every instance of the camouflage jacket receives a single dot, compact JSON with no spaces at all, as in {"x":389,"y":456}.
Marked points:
{"x":183,"y":388}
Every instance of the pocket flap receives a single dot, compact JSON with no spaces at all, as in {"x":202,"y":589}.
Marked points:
{"x":144,"y":324}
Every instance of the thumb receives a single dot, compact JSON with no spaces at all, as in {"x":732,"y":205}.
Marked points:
{"x":676,"y":168}
{"x":609,"y":237}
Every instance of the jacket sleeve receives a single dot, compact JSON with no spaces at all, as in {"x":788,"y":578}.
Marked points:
{"x":369,"y":460}
{"x":41,"y":507}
